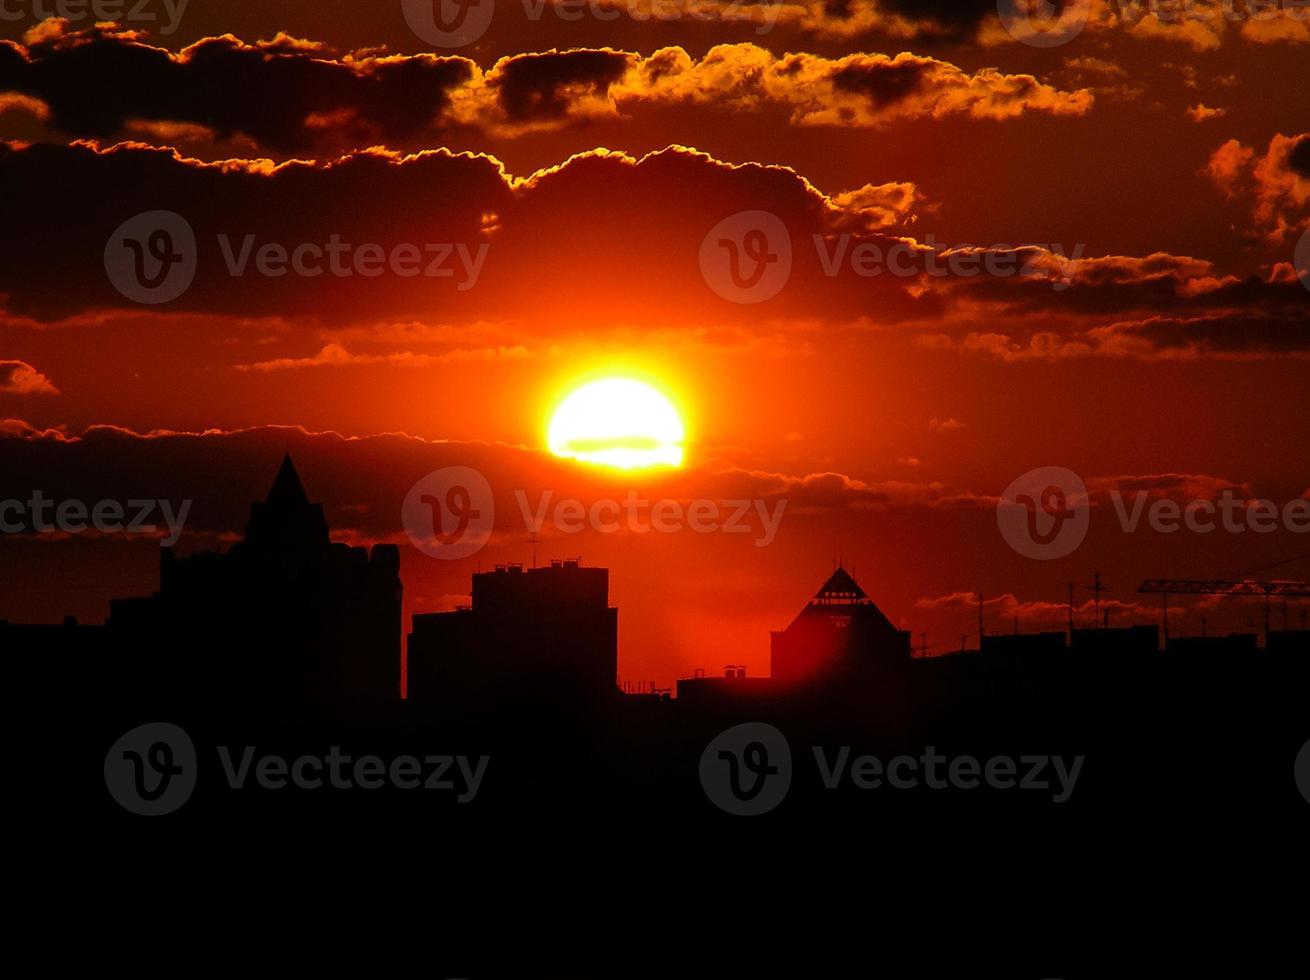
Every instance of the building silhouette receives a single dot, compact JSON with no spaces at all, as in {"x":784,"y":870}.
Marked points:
{"x":1288,"y":642}
{"x":535,"y":634}
{"x":731,"y":686}
{"x":285,"y":619}
{"x":1116,"y":641}
{"x":840,"y":636}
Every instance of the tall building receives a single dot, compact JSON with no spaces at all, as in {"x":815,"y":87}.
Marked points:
{"x":286,"y":618}
{"x":839,"y":636}
{"x":534,"y":634}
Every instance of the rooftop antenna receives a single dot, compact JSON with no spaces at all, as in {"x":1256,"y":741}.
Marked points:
{"x":1097,"y":588}
{"x":533,"y":539}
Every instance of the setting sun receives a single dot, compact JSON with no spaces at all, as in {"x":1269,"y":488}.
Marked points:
{"x":617,"y":422}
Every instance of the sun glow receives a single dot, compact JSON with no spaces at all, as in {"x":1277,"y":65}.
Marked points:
{"x":617,"y":422}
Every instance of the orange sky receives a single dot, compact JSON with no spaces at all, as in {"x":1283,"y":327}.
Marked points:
{"x":1156,"y":176}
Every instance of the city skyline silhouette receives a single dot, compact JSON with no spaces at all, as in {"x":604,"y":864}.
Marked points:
{"x":288,"y":629}
{"x":730,"y":477}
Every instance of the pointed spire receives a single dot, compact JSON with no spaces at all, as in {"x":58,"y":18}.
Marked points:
{"x":287,"y":519}
{"x":287,"y":490}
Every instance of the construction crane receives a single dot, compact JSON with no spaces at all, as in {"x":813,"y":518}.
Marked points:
{"x":1165,"y":587}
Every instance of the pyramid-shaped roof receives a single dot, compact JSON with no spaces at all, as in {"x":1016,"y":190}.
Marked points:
{"x":287,"y":490}
{"x":840,"y":587}
{"x":841,"y":598}
{"x":286,"y":519}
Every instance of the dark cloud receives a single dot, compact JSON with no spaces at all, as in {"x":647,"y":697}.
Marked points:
{"x":363,"y":480}
{"x":290,"y":97}
{"x":542,"y":86}
{"x":1298,"y":158}
{"x":1233,"y":334}
{"x":601,"y":240}
{"x":1115,"y":285}
{"x":284,"y":94}
{"x":603,"y":237}
{"x":54,"y":246}
{"x":957,"y":17}
{"x":884,"y":82}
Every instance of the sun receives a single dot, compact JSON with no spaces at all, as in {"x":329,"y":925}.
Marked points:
{"x":617,"y":422}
